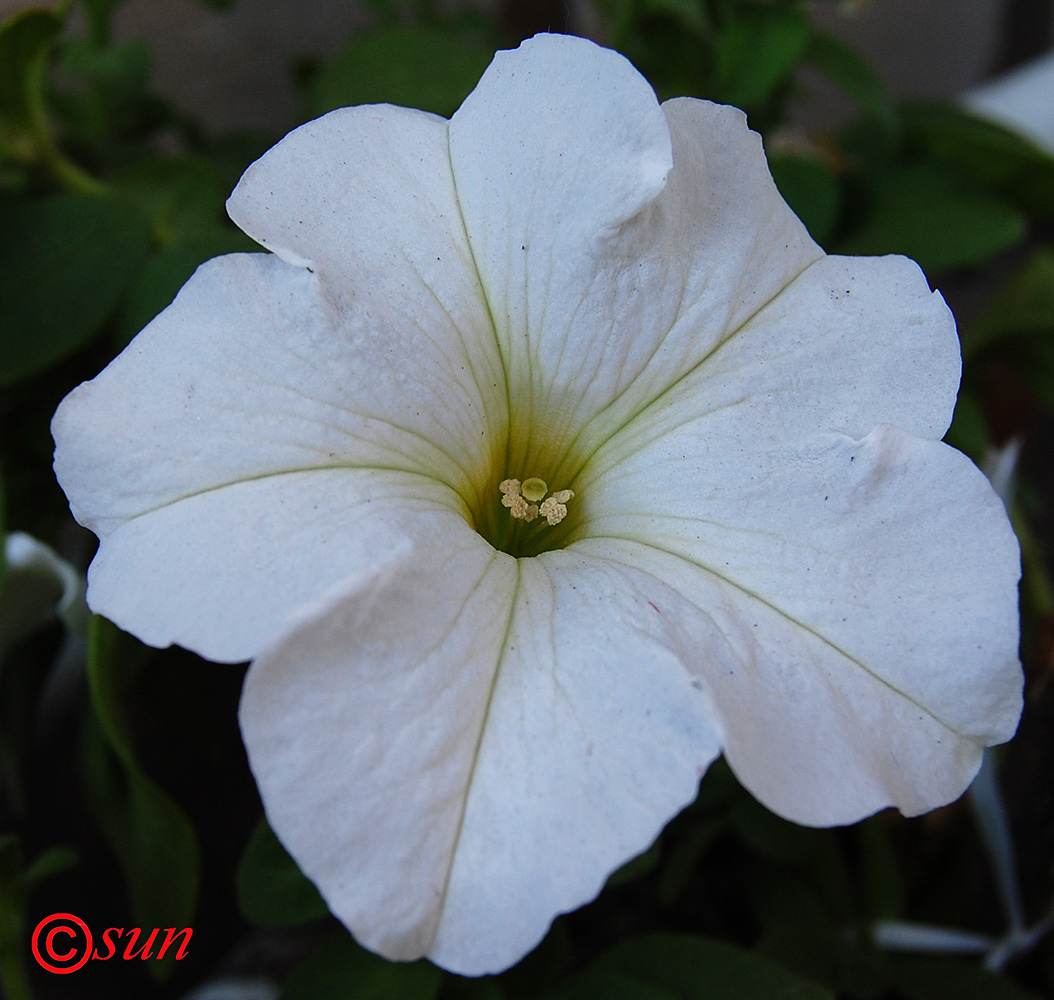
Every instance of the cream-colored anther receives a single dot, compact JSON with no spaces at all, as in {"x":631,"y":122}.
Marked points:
{"x":519,"y":508}
{"x":522,"y":510}
{"x":554,"y":509}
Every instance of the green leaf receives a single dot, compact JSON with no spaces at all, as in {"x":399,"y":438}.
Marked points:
{"x":998,"y":159}
{"x":683,"y":855}
{"x":810,"y":187}
{"x":16,"y":886}
{"x":181,"y":196}
{"x":1018,"y":326}
{"x":462,"y":988}
{"x":772,"y":837}
{"x":342,"y":970}
{"x":827,"y":954}
{"x":614,"y":986}
{"x":121,"y":71}
{"x":969,"y":429}
{"x":168,"y":270}
{"x":13,"y":983}
{"x":636,"y":867}
{"x":849,"y":69}
{"x":1024,"y":307}
{"x":152,"y":837}
{"x":951,"y":979}
{"x":272,"y":891}
{"x":100,"y":13}
{"x":679,"y":967}
{"x":935,"y":217}
{"x":109,"y":111}
{"x":26,"y":39}
{"x":416,"y":67}
{"x":387,"y":12}
{"x":689,"y":14}
{"x":10,"y":862}
{"x":64,"y":264}
{"x":542,"y":969}
{"x":49,"y":864}
{"x":882,"y":881}
{"x":757,"y":52}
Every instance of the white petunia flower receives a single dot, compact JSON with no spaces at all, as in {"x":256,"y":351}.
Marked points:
{"x":544,"y":459}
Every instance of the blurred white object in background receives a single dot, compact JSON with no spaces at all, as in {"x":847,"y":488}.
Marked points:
{"x":235,"y":989}
{"x":1022,"y":99}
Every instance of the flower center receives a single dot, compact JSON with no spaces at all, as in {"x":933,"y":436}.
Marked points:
{"x":523,"y":518}
{"x":515,"y":496}
{"x":520,"y":496}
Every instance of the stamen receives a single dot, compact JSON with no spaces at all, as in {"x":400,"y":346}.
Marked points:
{"x":515,"y":495}
{"x":519,"y":508}
{"x":554,"y":510}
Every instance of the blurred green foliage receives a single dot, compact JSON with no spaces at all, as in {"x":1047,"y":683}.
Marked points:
{"x":66,"y":261}
{"x":152,"y":837}
{"x":412,"y":65}
{"x":271,"y":890}
{"x":99,"y":229}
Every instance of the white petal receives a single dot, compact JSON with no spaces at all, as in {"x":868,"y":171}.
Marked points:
{"x":250,"y":373}
{"x":461,"y":746}
{"x":851,"y":343}
{"x":868,"y":592}
{"x":590,"y":256}
{"x":365,"y":197}
{"x":714,"y":249}
{"x":251,"y":376}
{"x":219,"y":572}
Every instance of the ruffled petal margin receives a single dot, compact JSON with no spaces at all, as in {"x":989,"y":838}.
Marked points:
{"x":867,"y":592}
{"x":254,"y":445}
{"x":617,"y":241}
{"x":458,"y":746}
